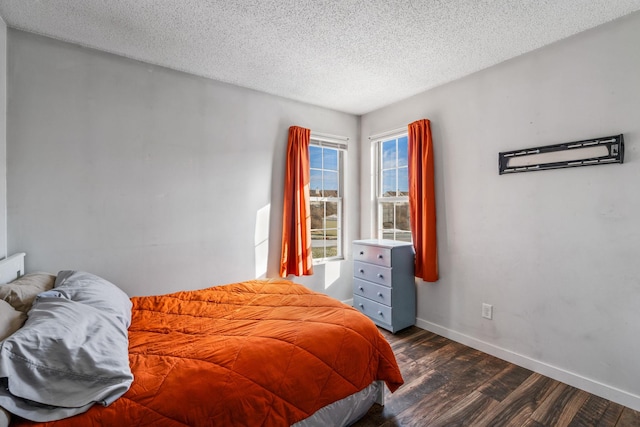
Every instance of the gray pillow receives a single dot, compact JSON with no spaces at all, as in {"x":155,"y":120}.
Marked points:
{"x":10,"y":320}
{"x":21,"y":292}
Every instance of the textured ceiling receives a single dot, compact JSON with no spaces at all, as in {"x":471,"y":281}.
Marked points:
{"x":348,"y":55}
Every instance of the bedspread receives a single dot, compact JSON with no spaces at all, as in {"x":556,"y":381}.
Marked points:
{"x":257,"y":353}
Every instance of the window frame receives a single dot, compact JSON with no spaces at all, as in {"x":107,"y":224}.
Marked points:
{"x":378,"y":178}
{"x":341,"y":149}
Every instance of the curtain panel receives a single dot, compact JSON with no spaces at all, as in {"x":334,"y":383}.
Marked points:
{"x":422,"y":200}
{"x":296,"y":255}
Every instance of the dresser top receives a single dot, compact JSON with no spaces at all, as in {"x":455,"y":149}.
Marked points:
{"x":382,"y":243}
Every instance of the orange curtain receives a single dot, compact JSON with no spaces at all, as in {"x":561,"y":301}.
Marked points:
{"x":296,"y":216}
{"x":422,"y":200}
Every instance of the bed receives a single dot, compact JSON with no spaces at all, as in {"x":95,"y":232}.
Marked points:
{"x":256,"y":353}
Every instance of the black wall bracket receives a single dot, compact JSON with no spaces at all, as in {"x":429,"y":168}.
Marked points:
{"x":599,"y":151}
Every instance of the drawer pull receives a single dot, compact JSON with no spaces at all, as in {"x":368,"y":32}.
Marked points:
{"x":380,"y":294}
{"x":380,"y":275}
{"x":380,"y":256}
{"x":361,"y":288}
{"x":361,"y":305}
{"x":361,"y":252}
{"x":361,"y":270}
{"x":380,"y":313}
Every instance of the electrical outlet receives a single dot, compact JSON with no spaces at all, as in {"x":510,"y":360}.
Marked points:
{"x":487,"y":311}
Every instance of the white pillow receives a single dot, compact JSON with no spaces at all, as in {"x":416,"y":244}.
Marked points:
{"x":10,"y":321}
{"x":5,"y":417}
{"x":21,"y":292}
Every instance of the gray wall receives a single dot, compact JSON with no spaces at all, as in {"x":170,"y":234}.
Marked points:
{"x":3,"y":139}
{"x":555,"y":252}
{"x":154,"y":179}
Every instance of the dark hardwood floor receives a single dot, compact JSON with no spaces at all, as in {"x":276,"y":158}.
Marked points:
{"x":449,"y":384}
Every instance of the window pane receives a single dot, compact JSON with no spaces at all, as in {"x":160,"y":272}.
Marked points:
{"x":330,"y":159}
{"x":315,"y":185}
{"x":315,"y":156}
{"x":403,"y":237}
{"x":317,"y":251}
{"x":317,"y":229}
{"x":402,"y":152}
{"x":388,"y":235}
{"x":317,"y":217}
{"x":402,"y":217}
{"x":317,"y":245}
{"x":387,"y":216}
{"x":331,"y":248}
{"x":389,"y":154}
{"x":389,"y":183}
{"x":403,"y":181}
{"x":330,"y":184}
{"x":331,"y":218}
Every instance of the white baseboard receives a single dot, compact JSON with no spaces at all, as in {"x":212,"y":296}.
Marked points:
{"x":349,"y":302}
{"x":594,"y":387}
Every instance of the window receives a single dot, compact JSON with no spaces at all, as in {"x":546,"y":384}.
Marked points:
{"x":393,"y":189}
{"x":326,"y":191}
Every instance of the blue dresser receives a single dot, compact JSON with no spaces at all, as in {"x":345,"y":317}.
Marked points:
{"x":383,"y":282}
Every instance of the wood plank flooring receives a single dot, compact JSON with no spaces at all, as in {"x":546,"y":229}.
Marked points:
{"x":449,"y":384}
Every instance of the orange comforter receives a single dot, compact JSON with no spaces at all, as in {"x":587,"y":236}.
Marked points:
{"x":258,"y":353}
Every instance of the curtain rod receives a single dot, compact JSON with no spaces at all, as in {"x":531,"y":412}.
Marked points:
{"x":389,"y":133}
{"x":328,"y":137}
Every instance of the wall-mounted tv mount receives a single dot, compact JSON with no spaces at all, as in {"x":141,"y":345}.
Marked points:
{"x":599,"y":151}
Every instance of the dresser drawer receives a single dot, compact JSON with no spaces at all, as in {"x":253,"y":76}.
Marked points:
{"x":378,"y":293}
{"x":372,"y":254}
{"x":372,"y":273}
{"x":379,"y":313}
